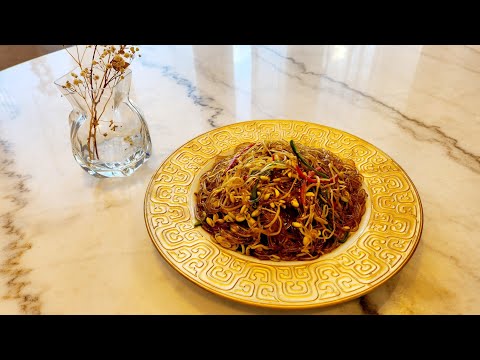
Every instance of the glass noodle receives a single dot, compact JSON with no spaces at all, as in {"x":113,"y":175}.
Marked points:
{"x":280,"y":201}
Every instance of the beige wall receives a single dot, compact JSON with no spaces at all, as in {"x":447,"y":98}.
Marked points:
{"x":14,"y":54}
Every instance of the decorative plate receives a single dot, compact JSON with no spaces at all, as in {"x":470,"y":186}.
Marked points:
{"x":388,"y":235}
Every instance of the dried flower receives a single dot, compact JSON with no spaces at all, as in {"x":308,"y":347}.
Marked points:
{"x":106,"y":68}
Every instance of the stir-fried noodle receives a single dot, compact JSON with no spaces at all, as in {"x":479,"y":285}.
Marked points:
{"x":281,"y":201}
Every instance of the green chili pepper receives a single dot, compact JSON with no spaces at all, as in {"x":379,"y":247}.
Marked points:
{"x":309,"y":167}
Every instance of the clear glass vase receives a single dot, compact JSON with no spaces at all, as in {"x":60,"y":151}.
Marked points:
{"x":110,"y":138}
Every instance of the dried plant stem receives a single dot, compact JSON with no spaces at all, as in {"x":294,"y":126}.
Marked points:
{"x":106,"y":69}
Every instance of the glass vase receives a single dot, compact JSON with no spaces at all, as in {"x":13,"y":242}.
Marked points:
{"x":109,"y":135}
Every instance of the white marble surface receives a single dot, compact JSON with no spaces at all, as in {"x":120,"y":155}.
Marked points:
{"x":74,"y":244}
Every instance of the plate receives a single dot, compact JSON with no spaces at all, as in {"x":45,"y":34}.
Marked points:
{"x":386,"y":239}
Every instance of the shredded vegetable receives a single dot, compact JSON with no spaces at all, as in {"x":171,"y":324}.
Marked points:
{"x":278,"y":200}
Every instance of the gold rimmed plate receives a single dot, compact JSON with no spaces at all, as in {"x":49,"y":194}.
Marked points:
{"x":386,"y":239}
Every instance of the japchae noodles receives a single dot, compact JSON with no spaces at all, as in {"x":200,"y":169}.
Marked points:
{"x":280,"y":201}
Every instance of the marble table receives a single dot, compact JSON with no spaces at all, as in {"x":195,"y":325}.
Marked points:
{"x":74,"y":244}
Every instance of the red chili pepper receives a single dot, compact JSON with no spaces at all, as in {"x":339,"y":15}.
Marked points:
{"x":235,"y":158}
{"x":302,"y":192}
{"x":300,"y":172}
{"x":305,"y":177}
{"x":310,"y":177}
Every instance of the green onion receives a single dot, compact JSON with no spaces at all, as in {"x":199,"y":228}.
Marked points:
{"x":309,"y":167}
